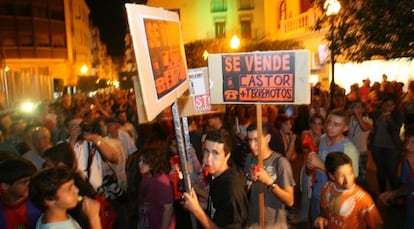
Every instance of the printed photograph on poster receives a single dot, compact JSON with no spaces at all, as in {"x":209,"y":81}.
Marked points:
{"x":197,"y":101}
{"x":279,"y":77}
{"x":198,"y":84}
{"x":159,"y":51}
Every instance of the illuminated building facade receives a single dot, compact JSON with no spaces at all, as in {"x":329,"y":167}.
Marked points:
{"x":278,"y":20}
{"x":44,"y":44}
{"x":250,"y":19}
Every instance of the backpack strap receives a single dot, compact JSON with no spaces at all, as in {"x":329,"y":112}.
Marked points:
{"x":91,"y":155}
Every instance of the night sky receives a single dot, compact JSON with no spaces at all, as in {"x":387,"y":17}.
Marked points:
{"x":110,"y":17}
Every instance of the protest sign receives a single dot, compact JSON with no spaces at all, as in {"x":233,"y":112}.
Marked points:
{"x":197,"y":100}
{"x":278,"y":77}
{"x":159,"y":51}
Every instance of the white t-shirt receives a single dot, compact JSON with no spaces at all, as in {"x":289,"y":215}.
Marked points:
{"x":70,"y":223}
{"x":82,"y":154}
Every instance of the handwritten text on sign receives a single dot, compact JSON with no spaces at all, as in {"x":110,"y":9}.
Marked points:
{"x":167,"y":62}
{"x":259,"y":77}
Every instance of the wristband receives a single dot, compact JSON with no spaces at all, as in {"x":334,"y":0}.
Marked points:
{"x":271,"y":186}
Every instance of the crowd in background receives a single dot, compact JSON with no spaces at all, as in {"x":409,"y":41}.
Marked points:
{"x":113,"y":159}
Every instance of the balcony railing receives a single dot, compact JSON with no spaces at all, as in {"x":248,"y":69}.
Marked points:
{"x":298,"y":24}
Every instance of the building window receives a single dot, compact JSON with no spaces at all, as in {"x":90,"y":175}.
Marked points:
{"x":42,"y":40}
{"x":39,"y":11}
{"x":6,"y":9}
{"x":246,"y":28}
{"x":23,"y":10}
{"x":58,"y":41}
{"x":57,"y":14}
{"x":8,"y":40}
{"x":220,"y":27}
{"x":26,"y":40}
{"x":246,"y":4}
{"x":282,"y":11}
{"x":218,"y":5}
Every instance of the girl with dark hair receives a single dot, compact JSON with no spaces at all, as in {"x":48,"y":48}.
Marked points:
{"x":155,"y":200}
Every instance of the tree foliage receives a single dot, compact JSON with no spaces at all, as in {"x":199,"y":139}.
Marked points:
{"x":367,"y":29}
{"x":194,"y":50}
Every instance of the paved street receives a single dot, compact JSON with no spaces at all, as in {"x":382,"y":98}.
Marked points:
{"x":393,"y":216}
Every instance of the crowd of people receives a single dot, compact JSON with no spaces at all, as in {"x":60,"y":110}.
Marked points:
{"x":86,"y":162}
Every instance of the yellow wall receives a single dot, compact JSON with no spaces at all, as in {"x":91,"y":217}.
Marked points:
{"x":197,"y":23}
{"x":197,"y":20}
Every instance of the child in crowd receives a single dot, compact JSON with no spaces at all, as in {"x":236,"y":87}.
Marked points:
{"x":54,"y":191}
{"x":407,"y":180}
{"x":16,"y":210}
{"x":276,"y":174}
{"x":344,"y":204}
{"x":155,"y":200}
{"x":63,"y":155}
{"x":334,"y":140}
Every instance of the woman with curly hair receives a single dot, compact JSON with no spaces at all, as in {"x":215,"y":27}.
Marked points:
{"x":155,"y":199}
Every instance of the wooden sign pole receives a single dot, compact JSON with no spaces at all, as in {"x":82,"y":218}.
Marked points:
{"x":260,"y":162}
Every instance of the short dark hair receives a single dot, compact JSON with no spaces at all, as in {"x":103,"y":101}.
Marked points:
{"x":15,"y":168}
{"x":281,"y":118}
{"x":220,"y":136}
{"x":315,"y":117}
{"x":352,"y":103}
{"x":62,"y":152}
{"x":44,"y":185}
{"x":334,"y":160}
{"x":111,"y":120}
{"x":341,"y":113}
{"x":266,"y":128}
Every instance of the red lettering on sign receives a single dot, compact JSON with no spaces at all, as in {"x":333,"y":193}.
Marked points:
{"x":202,"y":102}
{"x":266,"y":80}
{"x":266,"y":63}
{"x":232,"y":63}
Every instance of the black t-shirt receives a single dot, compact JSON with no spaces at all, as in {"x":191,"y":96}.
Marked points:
{"x":229,"y":200}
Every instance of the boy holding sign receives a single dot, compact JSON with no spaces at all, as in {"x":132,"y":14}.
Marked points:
{"x":276,"y":175}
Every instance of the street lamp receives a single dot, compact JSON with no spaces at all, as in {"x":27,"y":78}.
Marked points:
{"x":84,"y":69}
{"x":235,"y":42}
{"x":332,"y":8}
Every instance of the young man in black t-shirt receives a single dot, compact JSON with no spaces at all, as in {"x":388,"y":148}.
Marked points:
{"x":227,"y":200}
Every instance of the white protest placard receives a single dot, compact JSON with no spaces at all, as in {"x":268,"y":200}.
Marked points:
{"x":159,"y":51}
{"x":197,"y":101}
{"x":273,"y":77}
